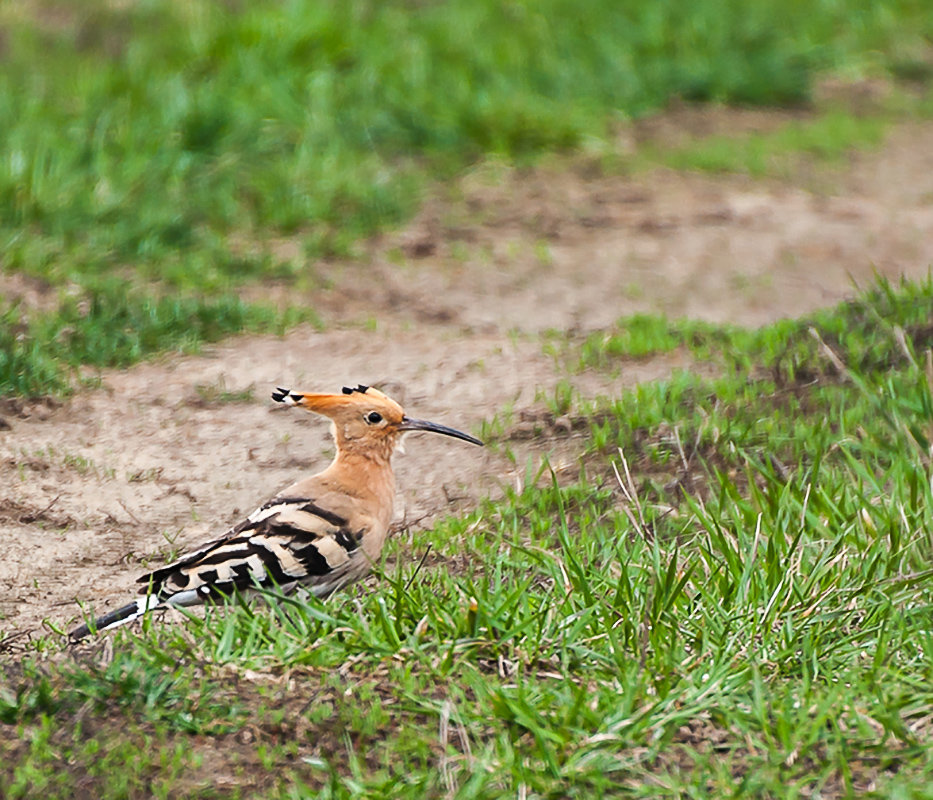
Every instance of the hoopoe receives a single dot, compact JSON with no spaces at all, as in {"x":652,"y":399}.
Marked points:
{"x":323,"y":532}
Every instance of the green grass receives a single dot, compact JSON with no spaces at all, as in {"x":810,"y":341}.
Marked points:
{"x":110,"y":325}
{"x":838,"y":128}
{"x":789,"y":350}
{"x":731,"y":598}
{"x":174,"y":143}
{"x":826,"y":138}
{"x":146,"y":134}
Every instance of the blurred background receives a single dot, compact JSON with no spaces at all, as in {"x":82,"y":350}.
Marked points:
{"x":170,"y":171}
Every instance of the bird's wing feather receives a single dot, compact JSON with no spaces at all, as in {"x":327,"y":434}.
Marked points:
{"x":289,"y":539}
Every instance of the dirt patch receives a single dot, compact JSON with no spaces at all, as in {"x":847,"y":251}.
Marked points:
{"x":531,"y":251}
{"x":27,"y":293}
{"x":446,"y":316}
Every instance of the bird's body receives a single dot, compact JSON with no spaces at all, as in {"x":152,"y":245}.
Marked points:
{"x":323,"y":532}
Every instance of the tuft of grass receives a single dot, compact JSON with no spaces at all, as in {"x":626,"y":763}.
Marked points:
{"x":886,"y":324}
{"x":641,"y":336}
{"x":109,"y":325}
{"x":829,"y":137}
{"x":734,"y":591}
{"x":218,"y":393}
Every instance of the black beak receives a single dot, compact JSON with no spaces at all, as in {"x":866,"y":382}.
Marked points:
{"x":409,"y":424}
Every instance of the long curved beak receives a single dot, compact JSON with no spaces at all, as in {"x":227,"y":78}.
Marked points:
{"x":409,"y":424}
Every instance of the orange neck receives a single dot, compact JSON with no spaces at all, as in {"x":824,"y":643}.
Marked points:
{"x":366,"y":475}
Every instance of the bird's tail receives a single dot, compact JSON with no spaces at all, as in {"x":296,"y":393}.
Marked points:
{"x":116,"y":618}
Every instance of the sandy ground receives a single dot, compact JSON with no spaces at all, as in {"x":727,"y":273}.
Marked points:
{"x":446,"y":316}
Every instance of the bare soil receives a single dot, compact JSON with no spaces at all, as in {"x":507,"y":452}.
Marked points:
{"x":447,"y":316}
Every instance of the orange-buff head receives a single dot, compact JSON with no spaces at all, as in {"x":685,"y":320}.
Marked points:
{"x":365,"y":420}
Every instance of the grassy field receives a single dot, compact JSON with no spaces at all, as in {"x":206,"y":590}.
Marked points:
{"x":732,"y":597}
{"x":166,"y":144}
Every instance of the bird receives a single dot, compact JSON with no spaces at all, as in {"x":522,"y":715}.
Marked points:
{"x":322,"y":533}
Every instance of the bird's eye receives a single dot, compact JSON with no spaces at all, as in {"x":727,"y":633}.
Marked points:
{"x":373,"y":417}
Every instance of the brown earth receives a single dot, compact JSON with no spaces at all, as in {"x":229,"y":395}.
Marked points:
{"x":447,"y":316}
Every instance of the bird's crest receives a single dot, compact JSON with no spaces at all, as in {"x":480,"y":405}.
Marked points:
{"x":331,"y":404}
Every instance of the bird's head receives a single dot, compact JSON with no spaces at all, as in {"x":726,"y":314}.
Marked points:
{"x":365,"y":420}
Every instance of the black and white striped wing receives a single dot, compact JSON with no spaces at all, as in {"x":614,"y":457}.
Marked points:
{"x":288,"y":541}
